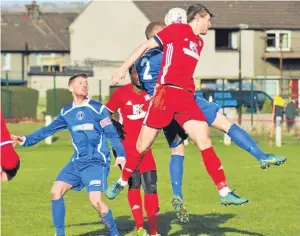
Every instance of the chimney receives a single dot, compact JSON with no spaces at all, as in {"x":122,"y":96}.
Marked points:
{"x":33,"y":11}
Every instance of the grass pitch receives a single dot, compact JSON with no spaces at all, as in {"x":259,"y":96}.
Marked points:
{"x":273,"y":207}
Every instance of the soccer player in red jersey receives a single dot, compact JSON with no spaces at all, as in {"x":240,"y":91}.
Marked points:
{"x":132,"y":102}
{"x":10,"y":161}
{"x":174,"y":97}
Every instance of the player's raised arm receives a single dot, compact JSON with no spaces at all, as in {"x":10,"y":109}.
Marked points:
{"x":29,"y":140}
{"x":111,"y":133}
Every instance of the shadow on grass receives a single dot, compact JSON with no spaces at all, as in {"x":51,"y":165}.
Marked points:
{"x":207,"y":224}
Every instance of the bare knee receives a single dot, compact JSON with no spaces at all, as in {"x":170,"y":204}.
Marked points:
{"x":204,"y":143}
{"x":222,"y":123}
{"x":141,"y":147}
{"x":59,"y":189}
{"x":179,"y":150}
{"x":146,"y":138}
{"x":97,"y":202}
{"x":198,"y":131}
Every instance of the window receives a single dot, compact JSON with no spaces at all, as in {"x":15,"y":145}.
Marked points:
{"x":49,"y":62}
{"x":273,"y":40}
{"x":45,"y":59}
{"x":6,"y":61}
{"x":226,"y":39}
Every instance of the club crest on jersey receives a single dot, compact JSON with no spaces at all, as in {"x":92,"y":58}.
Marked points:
{"x":80,"y":115}
{"x":193,"y":47}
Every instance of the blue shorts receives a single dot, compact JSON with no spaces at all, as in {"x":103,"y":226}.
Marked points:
{"x":209,"y":109}
{"x":93,"y":177}
{"x":175,"y":134}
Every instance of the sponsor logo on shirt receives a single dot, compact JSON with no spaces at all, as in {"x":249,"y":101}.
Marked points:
{"x":105,"y":122}
{"x":82,"y":127}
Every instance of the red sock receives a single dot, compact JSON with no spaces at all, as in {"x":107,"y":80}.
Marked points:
{"x":135,"y":203}
{"x":214,"y":167}
{"x":152,"y":210}
{"x":131,"y":164}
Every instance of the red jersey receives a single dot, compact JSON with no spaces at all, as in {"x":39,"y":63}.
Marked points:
{"x":182,"y":50}
{"x":9,"y":158}
{"x":132,"y":107}
{"x":5,"y":135}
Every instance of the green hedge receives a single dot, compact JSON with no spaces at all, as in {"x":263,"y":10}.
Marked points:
{"x":61,"y":97}
{"x":22,"y":102}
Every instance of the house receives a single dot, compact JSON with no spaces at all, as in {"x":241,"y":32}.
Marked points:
{"x":106,"y":32}
{"x":33,"y":40}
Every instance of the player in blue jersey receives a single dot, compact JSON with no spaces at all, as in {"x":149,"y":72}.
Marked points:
{"x":147,"y":67}
{"x":90,"y":126}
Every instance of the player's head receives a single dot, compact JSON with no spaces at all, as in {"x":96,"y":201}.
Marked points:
{"x":78,"y":85}
{"x":153,"y":28}
{"x":175,"y":15}
{"x":9,"y":174}
{"x":199,"y":17}
{"x":134,"y":77}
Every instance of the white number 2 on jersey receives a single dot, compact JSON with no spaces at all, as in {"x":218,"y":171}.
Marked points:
{"x":146,"y":75}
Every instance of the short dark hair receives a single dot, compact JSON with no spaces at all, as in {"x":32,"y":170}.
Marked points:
{"x":76,"y":76}
{"x":195,"y":9}
{"x":150,"y":27}
{"x":131,"y":68}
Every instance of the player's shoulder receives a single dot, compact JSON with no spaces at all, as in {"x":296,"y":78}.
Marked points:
{"x":95,"y":104}
{"x":66,"y":109}
{"x":122,"y":89}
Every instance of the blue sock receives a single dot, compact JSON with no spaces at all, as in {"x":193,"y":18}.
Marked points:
{"x":110,"y":223}
{"x":244,"y":141}
{"x":58,"y":216}
{"x":176,"y":174}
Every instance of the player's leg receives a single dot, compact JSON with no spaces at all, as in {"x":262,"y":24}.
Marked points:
{"x":195,"y":125}
{"x":246,"y":142}
{"x":68,"y":178}
{"x":94,"y":178}
{"x":135,"y":202}
{"x":175,"y":136}
{"x":149,"y":183}
{"x":211,"y":161}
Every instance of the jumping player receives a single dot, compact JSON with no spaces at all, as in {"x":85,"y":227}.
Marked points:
{"x":183,"y":47}
{"x":132,"y":102}
{"x":196,"y":14}
{"x":148,"y":67}
{"x":90,"y":126}
{"x":10,"y":161}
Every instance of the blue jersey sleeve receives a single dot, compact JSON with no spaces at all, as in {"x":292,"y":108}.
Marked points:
{"x":111,"y":132}
{"x":57,"y":125}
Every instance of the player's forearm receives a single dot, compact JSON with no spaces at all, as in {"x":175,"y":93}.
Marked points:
{"x":39,"y":135}
{"x":112,"y":135}
{"x":138,"y":52}
{"x":118,"y":147}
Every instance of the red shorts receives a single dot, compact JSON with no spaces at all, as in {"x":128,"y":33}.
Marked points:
{"x":146,"y":164}
{"x":170,"y":103}
{"x":9,"y":158}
